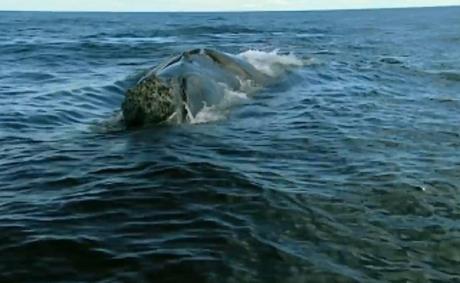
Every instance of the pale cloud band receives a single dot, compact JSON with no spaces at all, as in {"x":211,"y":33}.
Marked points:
{"x":211,"y":5}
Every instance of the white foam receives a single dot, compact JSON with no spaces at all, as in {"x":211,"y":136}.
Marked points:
{"x":248,"y":86}
{"x":207,"y":115}
{"x":219,"y":112}
{"x":271,"y":63}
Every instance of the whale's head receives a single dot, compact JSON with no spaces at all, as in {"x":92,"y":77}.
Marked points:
{"x":151,"y":101}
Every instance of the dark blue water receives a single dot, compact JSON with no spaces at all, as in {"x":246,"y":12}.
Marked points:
{"x":346,"y":171}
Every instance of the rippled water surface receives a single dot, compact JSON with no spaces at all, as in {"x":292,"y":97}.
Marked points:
{"x":348,"y":170}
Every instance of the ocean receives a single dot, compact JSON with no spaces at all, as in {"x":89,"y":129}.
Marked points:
{"x":346,"y":170}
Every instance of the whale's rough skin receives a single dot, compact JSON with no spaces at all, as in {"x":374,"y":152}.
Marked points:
{"x":149,"y":102}
{"x":179,"y":88}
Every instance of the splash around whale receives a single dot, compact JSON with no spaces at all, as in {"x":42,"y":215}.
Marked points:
{"x":186,"y":87}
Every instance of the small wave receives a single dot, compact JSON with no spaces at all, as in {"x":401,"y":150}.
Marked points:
{"x":448,"y":75}
{"x":325,"y":52}
{"x":33,"y":76}
{"x":134,"y":39}
{"x":36,"y":41}
{"x":391,"y":60}
{"x":197,"y":30}
{"x":310,"y":35}
{"x":272,"y":63}
{"x":111,"y":125}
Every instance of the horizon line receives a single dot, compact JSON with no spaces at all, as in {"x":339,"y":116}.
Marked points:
{"x":231,"y":11}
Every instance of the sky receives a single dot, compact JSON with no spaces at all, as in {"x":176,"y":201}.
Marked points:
{"x":210,"y":5}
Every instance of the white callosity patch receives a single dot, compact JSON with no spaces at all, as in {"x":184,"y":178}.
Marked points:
{"x":271,"y":63}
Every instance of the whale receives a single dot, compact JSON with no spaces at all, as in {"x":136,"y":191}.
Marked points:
{"x":177,"y":89}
